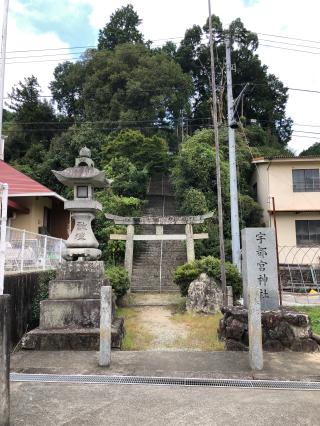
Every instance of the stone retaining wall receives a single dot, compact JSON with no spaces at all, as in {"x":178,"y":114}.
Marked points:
{"x":281,"y":330}
{"x":23,"y":288}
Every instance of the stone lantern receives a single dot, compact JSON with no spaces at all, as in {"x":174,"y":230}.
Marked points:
{"x":70,"y":317}
{"x":83,"y":178}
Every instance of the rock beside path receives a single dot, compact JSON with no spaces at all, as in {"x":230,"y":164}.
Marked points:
{"x":204,"y":296}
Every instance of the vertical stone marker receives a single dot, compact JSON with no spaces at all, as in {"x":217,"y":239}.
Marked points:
{"x":105,"y":326}
{"x":259,"y":266}
{"x":4,"y":359}
{"x":255,"y":330}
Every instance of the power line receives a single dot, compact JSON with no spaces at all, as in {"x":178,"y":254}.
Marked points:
{"x":287,"y":48}
{"x":289,"y":38}
{"x":306,"y":137}
{"x":290,"y":44}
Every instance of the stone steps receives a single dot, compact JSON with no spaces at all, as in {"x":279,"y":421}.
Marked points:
{"x":147,"y":255}
{"x":80,"y":339}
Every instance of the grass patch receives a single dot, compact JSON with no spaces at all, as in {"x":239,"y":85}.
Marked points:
{"x":201,"y":331}
{"x":137,"y":337}
{"x":314,"y":315}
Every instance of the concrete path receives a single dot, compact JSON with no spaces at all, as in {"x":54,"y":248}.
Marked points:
{"x":113,"y":405}
{"x":285,"y":365}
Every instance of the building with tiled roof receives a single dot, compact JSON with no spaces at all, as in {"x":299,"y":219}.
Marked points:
{"x":294,"y":185}
{"x":32,"y":206}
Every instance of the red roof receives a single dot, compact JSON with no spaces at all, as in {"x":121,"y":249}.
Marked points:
{"x":22,"y":185}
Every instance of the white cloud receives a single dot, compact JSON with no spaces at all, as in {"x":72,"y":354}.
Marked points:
{"x":24,"y":38}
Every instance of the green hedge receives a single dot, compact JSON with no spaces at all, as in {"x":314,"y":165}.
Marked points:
{"x":119,"y":280}
{"x":188,"y":272}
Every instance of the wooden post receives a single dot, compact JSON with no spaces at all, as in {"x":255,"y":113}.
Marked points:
{"x":128,"y":260}
{"x":190,"y":243}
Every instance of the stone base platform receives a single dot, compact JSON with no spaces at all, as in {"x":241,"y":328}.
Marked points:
{"x":281,"y":330}
{"x":80,"y":339}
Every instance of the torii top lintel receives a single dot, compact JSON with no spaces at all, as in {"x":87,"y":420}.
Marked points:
{"x":159,"y":220}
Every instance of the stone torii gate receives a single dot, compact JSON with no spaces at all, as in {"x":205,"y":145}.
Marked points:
{"x":159,"y":222}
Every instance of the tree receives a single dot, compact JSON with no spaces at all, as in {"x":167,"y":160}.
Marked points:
{"x":132,"y":84}
{"x":312,"y":150}
{"x":67,"y":88}
{"x":266,"y":98}
{"x":128,"y":181}
{"x":34,"y":119}
{"x":126,"y":85}
{"x":143,"y":152}
{"x":122,"y":28}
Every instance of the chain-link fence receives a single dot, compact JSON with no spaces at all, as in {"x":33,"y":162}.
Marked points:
{"x":27,"y":251}
{"x":299,"y":269}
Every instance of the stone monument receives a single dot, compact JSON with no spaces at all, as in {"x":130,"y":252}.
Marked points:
{"x":70,"y":318}
{"x":261,"y":323}
{"x":259,"y":266}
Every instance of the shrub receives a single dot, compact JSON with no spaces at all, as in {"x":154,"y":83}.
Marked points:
{"x":42,"y":294}
{"x":188,"y":272}
{"x":119,"y":280}
{"x":184,"y":275}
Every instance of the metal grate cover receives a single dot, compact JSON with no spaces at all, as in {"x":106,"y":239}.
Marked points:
{"x":165,"y":381}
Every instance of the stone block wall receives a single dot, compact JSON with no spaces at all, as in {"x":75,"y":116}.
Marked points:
{"x":23,"y":288}
{"x":281,"y":330}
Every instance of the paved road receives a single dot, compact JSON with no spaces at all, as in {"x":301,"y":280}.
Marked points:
{"x":38,"y":404}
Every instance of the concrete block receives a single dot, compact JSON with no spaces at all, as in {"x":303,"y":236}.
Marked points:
{"x":85,"y":339}
{"x":72,"y":313}
{"x":78,"y":270}
{"x":76,"y":289}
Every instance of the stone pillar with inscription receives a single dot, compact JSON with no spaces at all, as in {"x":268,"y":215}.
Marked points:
{"x":70,"y":318}
{"x":259,"y":266}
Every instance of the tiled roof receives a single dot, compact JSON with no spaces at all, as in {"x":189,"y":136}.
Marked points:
{"x":22,"y":185}
{"x":286,"y":158}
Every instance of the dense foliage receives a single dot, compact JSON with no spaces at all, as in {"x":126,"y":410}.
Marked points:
{"x":196,"y":188}
{"x":42,"y":294}
{"x":119,"y":280}
{"x":188,"y":272}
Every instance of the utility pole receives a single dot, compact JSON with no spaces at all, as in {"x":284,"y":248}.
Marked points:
{"x":2,"y":70}
{"x":235,"y":228}
{"x":218,"y":172}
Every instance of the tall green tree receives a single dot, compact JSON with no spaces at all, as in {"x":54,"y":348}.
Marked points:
{"x":122,"y":28}
{"x":67,"y":89}
{"x":130,"y":84}
{"x":265,"y":101}
{"x":33,"y":121}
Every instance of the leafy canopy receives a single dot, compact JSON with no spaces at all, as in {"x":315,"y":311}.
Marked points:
{"x":122,"y":28}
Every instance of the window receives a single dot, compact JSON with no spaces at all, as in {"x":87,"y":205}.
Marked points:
{"x":308,"y":233}
{"x":306,"y":180}
{"x":82,"y":192}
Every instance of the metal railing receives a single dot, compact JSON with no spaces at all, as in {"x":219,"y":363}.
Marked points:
{"x":299,"y":268}
{"x":27,"y":251}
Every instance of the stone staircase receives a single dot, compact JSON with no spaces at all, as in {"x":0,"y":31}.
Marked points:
{"x":154,"y":262}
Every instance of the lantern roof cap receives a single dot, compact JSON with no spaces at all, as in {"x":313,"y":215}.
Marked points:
{"x":85,"y":152}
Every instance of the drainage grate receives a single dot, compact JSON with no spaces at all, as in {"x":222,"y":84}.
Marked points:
{"x":165,"y":381}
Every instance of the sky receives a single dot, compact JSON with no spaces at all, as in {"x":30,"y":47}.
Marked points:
{"x":35,"y":25}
